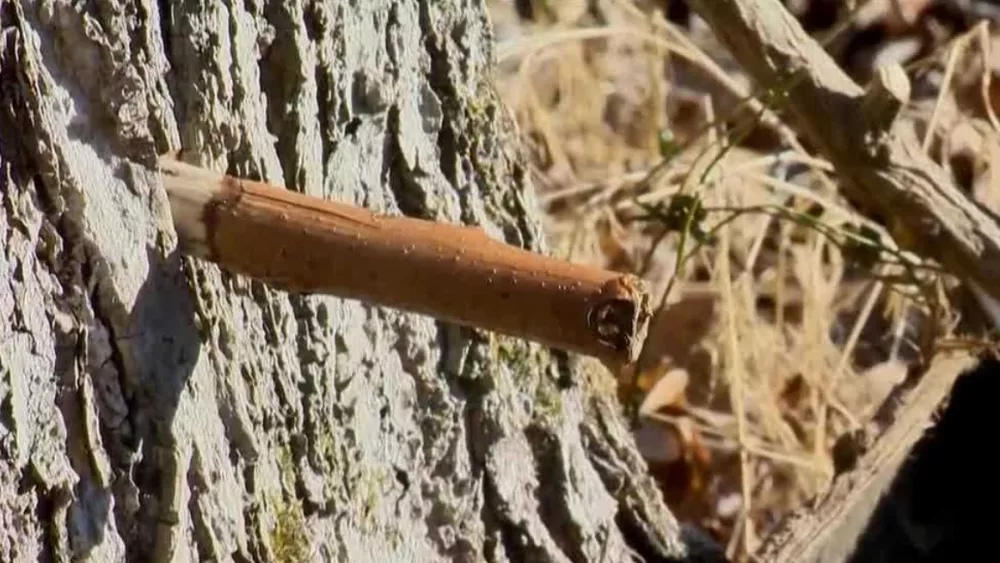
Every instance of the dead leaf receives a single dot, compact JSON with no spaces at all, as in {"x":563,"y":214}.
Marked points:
{"x":658,"y":442}
{"x":667,"y":391}
{"x":793,"y":392}
{"x":676,"y":331}
{"x":881,"y":379}
{"x":611,"y":239}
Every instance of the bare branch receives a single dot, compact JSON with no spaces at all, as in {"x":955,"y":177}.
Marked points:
{"x":829,"y":529}
{"x":884,"y":171}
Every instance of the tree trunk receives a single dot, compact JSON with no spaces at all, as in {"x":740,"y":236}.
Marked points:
{"x":155,"y":407}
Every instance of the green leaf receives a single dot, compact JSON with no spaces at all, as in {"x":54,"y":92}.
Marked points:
{"x":668,"y":144}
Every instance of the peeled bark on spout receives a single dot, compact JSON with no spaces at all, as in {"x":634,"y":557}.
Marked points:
{"x":453,"y":273}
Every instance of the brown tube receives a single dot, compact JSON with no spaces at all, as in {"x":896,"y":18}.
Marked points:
{"x":454,"y":273}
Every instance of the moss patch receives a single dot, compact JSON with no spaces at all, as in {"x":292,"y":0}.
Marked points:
{"x":289,"y":540}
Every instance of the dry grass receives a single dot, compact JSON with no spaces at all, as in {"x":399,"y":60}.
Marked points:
{"x":773,"y":339}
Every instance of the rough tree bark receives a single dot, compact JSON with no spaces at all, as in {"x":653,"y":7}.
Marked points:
{"x":152,"y":406}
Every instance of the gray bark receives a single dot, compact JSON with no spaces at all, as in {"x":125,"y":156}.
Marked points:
{"x":155,"y":407}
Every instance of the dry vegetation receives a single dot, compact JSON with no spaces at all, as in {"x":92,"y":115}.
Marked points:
{"x":787,"y":317}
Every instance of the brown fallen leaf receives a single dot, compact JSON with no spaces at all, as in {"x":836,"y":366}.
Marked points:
{"x":658,"y":442}
{"x":881,"y":379}
{"x":675,"y":333}
{"x":667,"y":391}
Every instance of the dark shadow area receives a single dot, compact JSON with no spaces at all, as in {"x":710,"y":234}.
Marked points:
{"x":164,"y":344}
{"x":154,"y":349}
{"x":120,"y":370}
{"x":134,"y":393}
{"x":942,"y":505}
